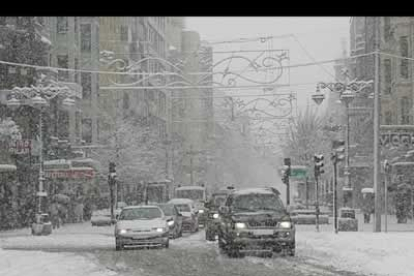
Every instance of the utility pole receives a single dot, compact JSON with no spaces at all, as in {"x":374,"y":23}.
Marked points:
{"x":318,"y":169}
{"x":335,"y":198}
{"x":377,"y":112}
{"x":191,"y":166}
{"x":387,"y":169}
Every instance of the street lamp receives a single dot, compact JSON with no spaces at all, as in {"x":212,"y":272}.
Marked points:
{"x":347,"y":97}
{"x":39,"y":102}
{"x":347,"y":92}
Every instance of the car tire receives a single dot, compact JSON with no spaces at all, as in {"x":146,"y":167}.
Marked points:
{"x":118,"y":246}
{"x":291,"y":250}
{"x":209,"y":235}
{"x":233,"y":253}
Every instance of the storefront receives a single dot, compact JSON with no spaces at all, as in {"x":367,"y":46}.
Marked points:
{"x":77,"y":180}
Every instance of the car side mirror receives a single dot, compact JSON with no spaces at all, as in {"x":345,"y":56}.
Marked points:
{"x":224,"y":209}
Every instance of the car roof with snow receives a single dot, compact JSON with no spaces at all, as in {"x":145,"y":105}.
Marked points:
{"x":181,"y":201}
{"x":183,"y":188}
{"x":140,"y":206}
{"x":265,"y":190}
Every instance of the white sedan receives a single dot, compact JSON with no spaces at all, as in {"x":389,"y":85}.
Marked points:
{"x":141,"y":226}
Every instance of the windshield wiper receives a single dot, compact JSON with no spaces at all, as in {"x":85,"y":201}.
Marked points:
{"x":271,"y":209}
{"x":245,"y":209}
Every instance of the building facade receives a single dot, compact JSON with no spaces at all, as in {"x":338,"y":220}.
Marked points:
{"x":396,"y":87}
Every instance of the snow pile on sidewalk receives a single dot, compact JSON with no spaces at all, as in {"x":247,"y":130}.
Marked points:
{"x":75,"y":241}
{"x":36,"y":263}
{"x":382,"y":254}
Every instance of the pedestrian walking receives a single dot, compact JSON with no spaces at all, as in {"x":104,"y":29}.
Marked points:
{"x":54,"y":214}
{"x":79,"y":211}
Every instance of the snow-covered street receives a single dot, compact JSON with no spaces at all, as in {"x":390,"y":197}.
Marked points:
{"x":79,"y":248}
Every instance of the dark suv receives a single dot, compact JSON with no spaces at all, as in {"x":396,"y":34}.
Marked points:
{"x":213,"y":218}
{"x":255,"y":220}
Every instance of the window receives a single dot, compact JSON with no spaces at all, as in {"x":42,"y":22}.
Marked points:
{"x":124,"y":33}
{"x":76,"y":74}
{"x":405,"y":110}
{"x":62,"y":24}
{"x":77,"y":124}
{"x":87,"y":130}
{"x":63,"y":124}
{"x":388,"y":118}
{"x":86,"y":37}
{"x":387,"y":76}
{"x":404,"y":53}
{"x":387,"y":28}
{"x":86,"y":83}
{"x":63,"y":62}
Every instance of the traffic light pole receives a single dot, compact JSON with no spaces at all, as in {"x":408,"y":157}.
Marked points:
{"x":317,"y":201}
{"x":335,"y":198}
{"x":288,"y":191}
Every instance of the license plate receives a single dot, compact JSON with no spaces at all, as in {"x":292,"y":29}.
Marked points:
{"x":263,"y":232}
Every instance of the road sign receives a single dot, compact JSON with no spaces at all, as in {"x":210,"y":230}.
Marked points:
{"x":298,"y":172}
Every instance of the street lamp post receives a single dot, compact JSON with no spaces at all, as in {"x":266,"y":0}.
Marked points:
{"x":347,"y":97}
{"x":38,"y":98}
{"x":347,"y":91}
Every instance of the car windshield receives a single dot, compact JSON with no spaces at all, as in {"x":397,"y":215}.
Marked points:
{"x":140,"y":213}
{"x":218,"y":200}
{"x":183,"y":207}
{"x":167,"y":209}
{"x":256,"y":202}
{"x":191,"y":194}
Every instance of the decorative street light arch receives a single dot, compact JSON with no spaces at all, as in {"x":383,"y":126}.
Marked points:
{"x":39,"y":97}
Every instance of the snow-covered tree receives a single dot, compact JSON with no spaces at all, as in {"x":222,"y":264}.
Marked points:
{"x":137,"y":148}
{"x":305,"y":138}
{"x":9,"y":135}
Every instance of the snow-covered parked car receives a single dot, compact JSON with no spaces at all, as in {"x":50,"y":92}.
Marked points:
{"x":189,"y":213}
{"x":143,"y":225}
{"x":101,"y":217}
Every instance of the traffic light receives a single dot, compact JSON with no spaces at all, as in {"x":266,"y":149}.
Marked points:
{"x":338,"y":147}
{"x":112,"y":173}
{"x":286,"y":172}
{"x":285,"y":177}
{"x":112,"y":167}
{"x":318,"y":158}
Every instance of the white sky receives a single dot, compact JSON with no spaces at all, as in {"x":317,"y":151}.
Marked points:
{"x":320,"y":36}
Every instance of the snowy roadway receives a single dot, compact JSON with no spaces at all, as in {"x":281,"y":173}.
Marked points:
{"x":81,"y":249}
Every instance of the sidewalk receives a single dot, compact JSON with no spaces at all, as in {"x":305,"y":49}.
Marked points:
{"x":366,"y":252}
{"x":70,"y":228}
{"x":393,"y":226}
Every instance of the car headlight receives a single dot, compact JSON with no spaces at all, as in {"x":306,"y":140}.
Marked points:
{"x":122,"y":231}
{"x":201,"y":211}
{"x":170,"y":223}
{"x":285,"y":224}
{"x":216,"y":216}
{"x":240,"y":225}
{"x":160,"y":229}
